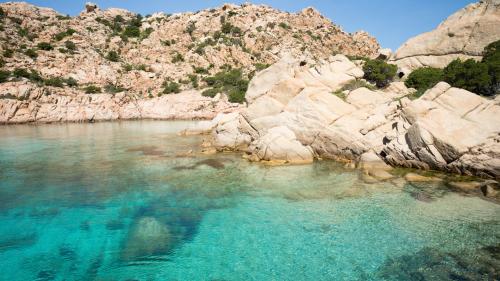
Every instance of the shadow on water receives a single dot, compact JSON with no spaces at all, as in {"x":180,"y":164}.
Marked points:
{"x":435,"y":264}
{"x":149,"y":150}
{"x":17,"y":242}
{"x":212,"y":163}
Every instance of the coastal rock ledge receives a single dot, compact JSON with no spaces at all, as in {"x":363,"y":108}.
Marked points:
{"x":294,"y":115}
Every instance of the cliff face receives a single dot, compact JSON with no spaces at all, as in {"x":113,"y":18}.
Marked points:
{"x":117,"y":50}
{"x":463,"y":35}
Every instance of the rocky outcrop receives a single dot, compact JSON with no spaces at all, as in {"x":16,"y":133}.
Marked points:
{"x":463,"y":35}
{"x":181,"y":48}
{"x":23,"y":102}
{"x":293,"y":106}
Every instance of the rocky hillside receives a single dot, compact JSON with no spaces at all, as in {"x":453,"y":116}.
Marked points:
{"x":463,"y":35}
{"x":116,"y":51}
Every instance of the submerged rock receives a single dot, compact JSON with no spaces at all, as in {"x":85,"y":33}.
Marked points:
{"x":147,"y":237}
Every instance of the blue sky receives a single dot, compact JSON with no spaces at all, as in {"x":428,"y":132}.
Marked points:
{"x":392,"y":22}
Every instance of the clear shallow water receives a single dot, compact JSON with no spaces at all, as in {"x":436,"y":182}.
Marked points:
{"x":125,"y":201}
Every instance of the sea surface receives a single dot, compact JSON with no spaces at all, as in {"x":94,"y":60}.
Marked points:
{"x":135,"y":201}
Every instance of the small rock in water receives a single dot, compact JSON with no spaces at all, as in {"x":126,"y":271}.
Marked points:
{"x":420,"y":196}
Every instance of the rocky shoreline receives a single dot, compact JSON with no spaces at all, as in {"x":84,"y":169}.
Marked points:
{"x":293,"y":117}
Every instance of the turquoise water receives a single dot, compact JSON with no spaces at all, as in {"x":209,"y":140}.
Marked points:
{"x":126,"y":201}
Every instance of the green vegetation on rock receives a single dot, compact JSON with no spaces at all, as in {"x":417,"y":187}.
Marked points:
{"x":379,"y":72}
{"x":92,"y":89}
{"x":230,"y":82}
{"x":423,"y":79}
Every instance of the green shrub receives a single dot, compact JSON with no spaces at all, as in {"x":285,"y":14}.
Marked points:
{"x":284,"y":25}
{"x":491,"y":58}
{"x":469,"y":75}
{"x":23,"y":32}
{"x":4,"y":75}
{"x":71,"y":82}
{"x":212,"y":92}
{"x":8,"y":53}
{"x":191,"y":28}
{"x":340,"y":94}
{"x":226,"y":28}
{"x":177,"y":58}
{"x":32,"y":75}
{"x":200,"y":70}
{"x":21,"y":72}
{"x":379,"y":72}
{"x":45,"y":46}
{"x":113,"y":56}
{"x":61,"y":35}
{"x":132,"y":31}
{"x":170,"y":87}
{"x":194,"y":80}
{"x":2,"y":13}
{"x":70,"y":45}
{"x":91,"y":89}
{"x":261,"y":66}
{"x":31,"y":53}
{"x":54,"y":82}
{"x":231,"y":82}
{"x":145,"y":34}
{"x":424,"y":78}
{"x":113,"y":89}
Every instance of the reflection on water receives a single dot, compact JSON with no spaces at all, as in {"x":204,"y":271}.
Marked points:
{"x":134,"y":201}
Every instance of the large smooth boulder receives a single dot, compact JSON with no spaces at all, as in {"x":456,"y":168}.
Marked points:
{"x":280,"y":145}
{"x":463,"y":35}
{"x":147,"y":237}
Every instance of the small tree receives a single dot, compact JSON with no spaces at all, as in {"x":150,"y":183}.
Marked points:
{"x":491,"y":58}
{"x":379,"y":72}
{"x":469,"y":75}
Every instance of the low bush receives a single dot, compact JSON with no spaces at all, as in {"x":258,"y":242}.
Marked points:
{"x":424,"y":78}
{"x":230,"y":82}
{"x":4,"y":75}
{"x":61,"y":35}
{"x":113,"y":56}
{"x":191,"y":28}
{"x":54,"y":82}
{"x":70,"y":45}
{"x":91,"y":89}
{"x":113,"y":89}
{"x":45,"y":46}
{"x":170,"y":87}
{"x":469,"y":75}
{"x":8,"y":53}
{"x":212,"y":92}
{"x":379,"y":72}
{"x":71,"y":82}
{"x":261,"y":66}
{"x":177,"y":58}
{"x":284,"y":25}
{"x":491,"y":58}
{"x":193,"y":78}
{"x":31,"y":53}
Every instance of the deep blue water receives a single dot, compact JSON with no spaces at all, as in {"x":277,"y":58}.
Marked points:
{"x":126,"y":201}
